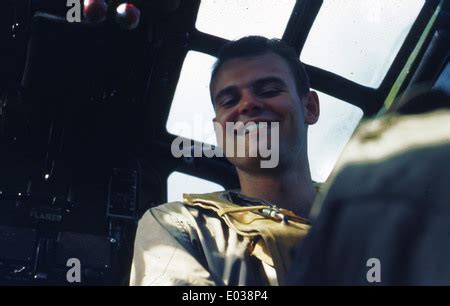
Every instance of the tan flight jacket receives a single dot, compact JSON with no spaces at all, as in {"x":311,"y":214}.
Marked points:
{"x":209,"y":240}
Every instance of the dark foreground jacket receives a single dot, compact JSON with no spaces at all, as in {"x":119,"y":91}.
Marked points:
{"x":386,"y":217}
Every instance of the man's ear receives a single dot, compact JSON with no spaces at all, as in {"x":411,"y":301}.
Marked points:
{"x":311,"y":107}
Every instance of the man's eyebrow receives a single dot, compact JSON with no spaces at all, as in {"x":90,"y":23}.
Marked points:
{"x":269,"y":80}
{"x":225,"y":91}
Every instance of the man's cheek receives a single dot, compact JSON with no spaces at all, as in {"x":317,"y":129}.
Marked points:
{"x":220,"y":133}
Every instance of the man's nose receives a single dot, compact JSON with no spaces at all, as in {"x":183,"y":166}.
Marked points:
{"x":250,"y":105}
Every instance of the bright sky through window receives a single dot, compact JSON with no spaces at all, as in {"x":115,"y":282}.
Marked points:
{"x":179,"y":183}
{"x":232,"y":19}
{"x":191,"y":102}
{"x":359,"y":39}
{"x":327,"y":138}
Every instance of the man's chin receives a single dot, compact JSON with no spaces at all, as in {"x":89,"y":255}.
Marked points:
{"x":254,"y":164}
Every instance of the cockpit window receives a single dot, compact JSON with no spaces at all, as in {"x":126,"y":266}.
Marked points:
{"x":233,"y":19}
{"x":178,"y":183}
{"x":359,"y":39}
{"x":191,"y":112}
{"x":355,"y":39}
{"x":327,"y":138}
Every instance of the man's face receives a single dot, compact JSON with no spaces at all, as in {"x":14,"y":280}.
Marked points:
{"x":262,"y":89}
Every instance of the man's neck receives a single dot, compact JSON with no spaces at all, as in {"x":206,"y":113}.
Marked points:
{"x":291,"y":189}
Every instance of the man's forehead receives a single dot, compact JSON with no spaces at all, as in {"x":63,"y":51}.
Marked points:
{"x":250,"y":69}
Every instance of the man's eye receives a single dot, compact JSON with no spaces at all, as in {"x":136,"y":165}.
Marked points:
{"x":270,"y":92}
{"x":228,"y":102}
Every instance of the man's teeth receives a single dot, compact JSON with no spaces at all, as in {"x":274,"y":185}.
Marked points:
{"x":243,"y":130}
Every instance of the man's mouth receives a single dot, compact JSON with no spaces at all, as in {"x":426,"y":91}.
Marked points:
{"x":253,"y":127}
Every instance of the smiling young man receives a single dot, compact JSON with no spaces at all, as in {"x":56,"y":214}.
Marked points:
{"x":241,"y":237}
